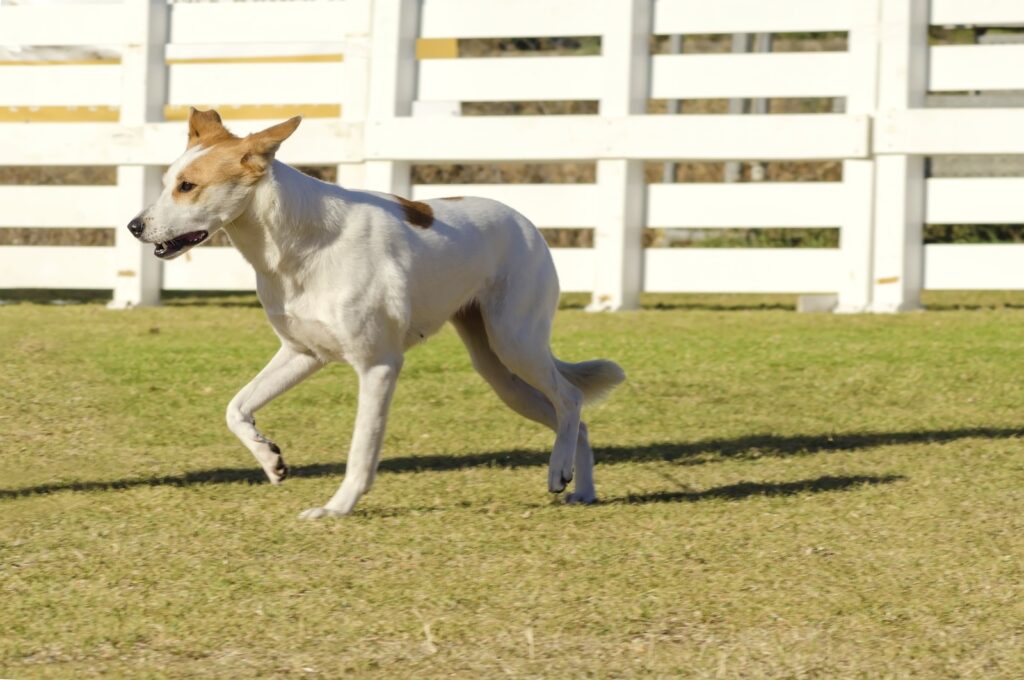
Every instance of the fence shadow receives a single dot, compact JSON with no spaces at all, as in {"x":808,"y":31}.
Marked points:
{"x":714,"y":305}
{"x":169,"y":298}
{"x":209,"y":298}
{"x":685,"y":453}
{"x":53,"y":296}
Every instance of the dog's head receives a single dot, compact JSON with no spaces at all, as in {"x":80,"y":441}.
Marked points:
{"x":210,"y":185}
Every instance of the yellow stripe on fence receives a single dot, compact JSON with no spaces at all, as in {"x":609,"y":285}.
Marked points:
{"x":260,"y":111}
{"x":111,"y":61}
{"x":59,"y":114}
{"x":280,"y":59}
{"x":111,"y":114}
{"x":115,"y":61}
{"x":437,"y":48}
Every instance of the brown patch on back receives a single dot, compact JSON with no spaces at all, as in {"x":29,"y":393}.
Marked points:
{"x":416,"y":213}
{"x":453,"y":198}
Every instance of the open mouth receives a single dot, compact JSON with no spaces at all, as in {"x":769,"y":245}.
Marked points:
{"x":179,"y":244}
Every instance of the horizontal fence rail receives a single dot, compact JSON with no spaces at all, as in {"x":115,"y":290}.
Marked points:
{"x":555,"y":138}
{"x":752,"y":16}
{"x":385,"y":85}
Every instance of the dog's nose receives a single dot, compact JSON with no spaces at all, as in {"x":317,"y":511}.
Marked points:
{"x":136,"y":227}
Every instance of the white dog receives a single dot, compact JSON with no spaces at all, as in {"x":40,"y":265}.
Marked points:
{"x":361,"y":277}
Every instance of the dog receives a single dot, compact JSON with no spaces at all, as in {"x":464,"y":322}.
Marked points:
{"x":361,"y":277}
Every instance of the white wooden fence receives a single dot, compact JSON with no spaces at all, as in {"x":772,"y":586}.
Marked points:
{"x":375,"y":104}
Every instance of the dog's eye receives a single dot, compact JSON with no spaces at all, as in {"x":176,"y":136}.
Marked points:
{"x":185,"y":187}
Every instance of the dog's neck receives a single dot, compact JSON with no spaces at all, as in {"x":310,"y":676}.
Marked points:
{"x":290,"y":216}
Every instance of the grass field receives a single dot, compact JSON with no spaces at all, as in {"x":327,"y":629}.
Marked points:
{"x":783,"y":495}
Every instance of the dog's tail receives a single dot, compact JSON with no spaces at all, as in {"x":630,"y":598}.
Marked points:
{"x":595,"y":378}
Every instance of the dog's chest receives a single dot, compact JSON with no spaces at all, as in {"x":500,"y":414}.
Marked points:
{"x":312,"y":335}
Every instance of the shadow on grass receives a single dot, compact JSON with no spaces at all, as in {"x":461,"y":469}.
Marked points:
{"x":699,"y":452}
{"x":35,"y":296}
{"x":168,"y":298}
{"x":959,"y":301}
{"x":719,"y":302}
{"x":685,"y":453}
{"x":208,"y":298}
{"x":736,"y":492}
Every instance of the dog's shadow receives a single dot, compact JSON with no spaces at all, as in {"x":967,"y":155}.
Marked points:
{"x":683,"y":453}
{"x":743,"y":490}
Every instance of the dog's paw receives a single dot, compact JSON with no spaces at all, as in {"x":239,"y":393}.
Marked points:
{"x":580,"y":498}
{"x":558,"y":479}
{"x":270,"y":459}
{"x":278,"y":472}
{"x":568,"y":468}
{"x":318,"y":513}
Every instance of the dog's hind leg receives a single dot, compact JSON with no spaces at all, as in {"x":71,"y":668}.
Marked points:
{"x":584,"y":490}
{"x":519,"y":334}
{"x":525,"y":400}
{"x":287,"y":369}
{"x":376,"y":387}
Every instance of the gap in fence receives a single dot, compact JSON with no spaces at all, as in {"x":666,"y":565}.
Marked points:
{"x":975,"y":166}
{"x":774,"y":105}
{"x":973,"y":233}
{"x":504,"y":173}
{"x":767,"y":171}
{"x":552,"y":46}
{"x":710,"y":43}
{"x":969,"y":35}
{"x":581,"y":107}
{"x":589,"y":107}
{"x":717,"y":43}
{"x":56,"y":236}
{"x":58,"y":175}
{"x":741,"y":237}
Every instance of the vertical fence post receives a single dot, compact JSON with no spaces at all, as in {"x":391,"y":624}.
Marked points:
{"x":393,"y":71}
{"x":855,"y":237}
{"x":672,"y":107}
{"x":618,"y":234}
{"x":741,"y":43}
{"x":138,"y":275}
{"x":899,"y":178}
{"x":355,"y":86}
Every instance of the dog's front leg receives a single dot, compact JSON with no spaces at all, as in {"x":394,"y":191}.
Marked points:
{"x":287,"y":369}
{"x":376,"y":386}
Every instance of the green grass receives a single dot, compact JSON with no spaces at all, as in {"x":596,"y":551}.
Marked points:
{"x":783,"y":495}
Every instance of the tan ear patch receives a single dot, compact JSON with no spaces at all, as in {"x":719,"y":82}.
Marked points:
{"x":416,"y":213}
{"x":206,"y":128}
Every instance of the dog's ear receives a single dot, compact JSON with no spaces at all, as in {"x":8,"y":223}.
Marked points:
{"x":206,"y":128}
{"x":267,"y":142}
{"x":260,"y":147}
